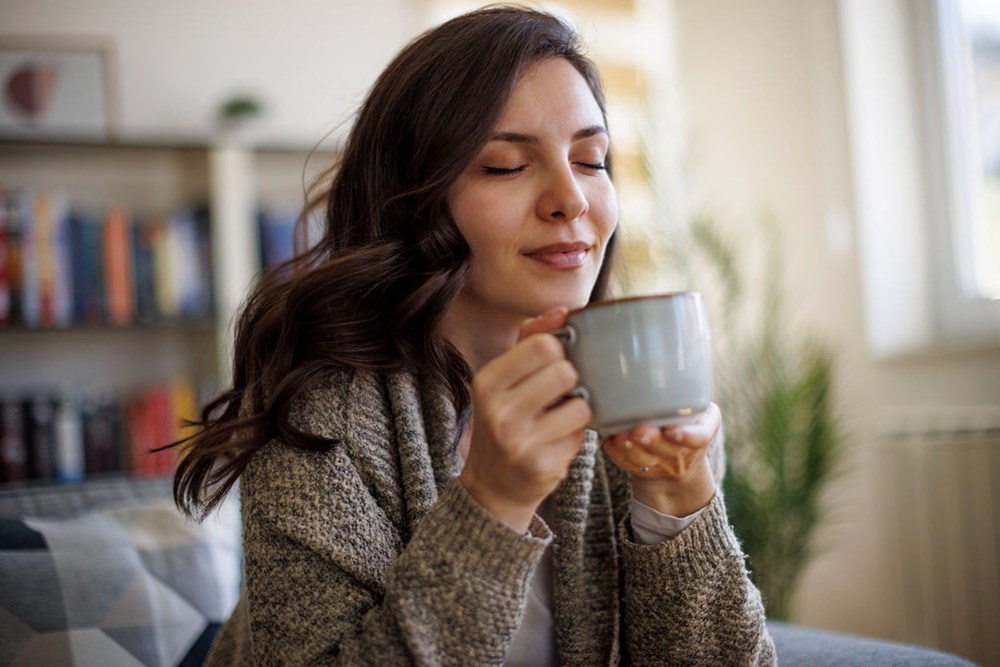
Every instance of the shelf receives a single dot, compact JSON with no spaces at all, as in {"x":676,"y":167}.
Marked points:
{"x":177,"y":326}
{"x":166,"y":143}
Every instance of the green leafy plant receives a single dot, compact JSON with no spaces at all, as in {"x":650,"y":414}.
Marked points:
{"x":784,"y":440}
{"x":239,"y":108}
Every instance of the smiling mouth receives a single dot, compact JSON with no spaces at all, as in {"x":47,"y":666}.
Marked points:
{"x":561,"y":256}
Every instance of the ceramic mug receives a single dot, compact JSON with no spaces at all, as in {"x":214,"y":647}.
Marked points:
{"x":641,"y":360}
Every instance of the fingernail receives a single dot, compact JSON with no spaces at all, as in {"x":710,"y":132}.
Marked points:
{"x":646,"y":439}
{"x":677,"y":436}
{"x":628,"y":444}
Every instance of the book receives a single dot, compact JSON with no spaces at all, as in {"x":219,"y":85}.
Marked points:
{"x":13,"y":446}
{"x":31,"y":246}
{"x":87,"y":259}
{"x":39,"y":410}
{"x":14,"y":216}
{"x":163,"y":263}
{"x":118,"y":268}
{"x":204,"y":226}
{"x":277,"y":236}
{"x":190,"y":283}
{"x":102,"y":431}
{"x":46,"y":259}
{"x":6,"y":300}
{"x":62,"y":262}
{"x":69,"y":463}
{"x":161,"y":430}
{"x":144,"y":239}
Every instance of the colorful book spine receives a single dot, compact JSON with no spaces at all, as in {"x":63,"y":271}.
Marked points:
{"x":32,"y":242}
{"x":118,"y":268}
{"x":87,"y":261}
{"x":143,"y":239}
{"x":162,"y":418}
{"x":62,"y":263}
{"x":91,"y":432}
{"x":163,"y":262}
{"x":277,"y":237}
{"x":69,"y":449}
{"x":189,"y":283}
{"x":204,"y":224}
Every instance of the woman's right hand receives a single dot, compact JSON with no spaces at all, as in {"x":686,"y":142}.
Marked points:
{"x":523,"y":441}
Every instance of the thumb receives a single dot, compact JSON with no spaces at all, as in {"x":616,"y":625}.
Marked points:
{"x":545,"y":322}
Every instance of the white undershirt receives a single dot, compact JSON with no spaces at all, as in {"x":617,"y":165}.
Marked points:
{"x":534,"y":643}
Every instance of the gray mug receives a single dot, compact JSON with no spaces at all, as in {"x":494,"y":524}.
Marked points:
{"x":641,"y":360}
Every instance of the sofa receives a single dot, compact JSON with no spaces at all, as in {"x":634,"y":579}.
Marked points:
{"x":108,"y":573}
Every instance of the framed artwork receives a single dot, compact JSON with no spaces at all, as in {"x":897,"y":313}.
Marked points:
{"x":57,"y":88}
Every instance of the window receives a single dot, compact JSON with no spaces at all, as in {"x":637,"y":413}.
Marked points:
{"x":922,"y":79}
{"x":968,"y":32}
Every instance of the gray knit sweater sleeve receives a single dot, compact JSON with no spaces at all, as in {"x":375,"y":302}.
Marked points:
{"x":689,"y":600}
{"x":330,"y":581}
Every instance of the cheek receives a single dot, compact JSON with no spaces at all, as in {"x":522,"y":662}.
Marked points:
{"x":604,"y":210}
{"x":471,"y":209}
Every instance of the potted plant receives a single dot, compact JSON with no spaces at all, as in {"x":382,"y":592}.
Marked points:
{"x":784,"y":439}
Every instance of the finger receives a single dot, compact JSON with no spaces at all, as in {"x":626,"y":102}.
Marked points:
{"x":699,"y":431}
{"x":559,"y":422}
{"x":631,"y":458}
{"x":545,"y":387}
{"x":644,"y":434}
{"x":544,"y":322}
{"x":526,"y":357}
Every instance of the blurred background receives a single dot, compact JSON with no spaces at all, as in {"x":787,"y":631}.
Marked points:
{"x":841,"y":157}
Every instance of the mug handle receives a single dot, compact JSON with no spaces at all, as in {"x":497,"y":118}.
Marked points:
{"x":567,"y":335}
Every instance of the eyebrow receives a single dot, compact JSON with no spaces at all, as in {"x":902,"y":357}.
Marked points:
{"x":518,"y":138}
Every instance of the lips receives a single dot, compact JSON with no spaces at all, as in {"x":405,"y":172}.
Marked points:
{"x":561,"y":255}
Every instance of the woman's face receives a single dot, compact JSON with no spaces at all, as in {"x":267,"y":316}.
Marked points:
{"x":536,"y":204}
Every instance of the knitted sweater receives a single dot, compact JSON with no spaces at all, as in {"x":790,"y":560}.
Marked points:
{"x":373,"y":554}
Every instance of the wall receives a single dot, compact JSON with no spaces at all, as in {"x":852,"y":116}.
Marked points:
{"x":765,"y":109}
{"x":309,"y":61}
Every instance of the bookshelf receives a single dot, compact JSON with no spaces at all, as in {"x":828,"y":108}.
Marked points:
{"x":159,"y":358}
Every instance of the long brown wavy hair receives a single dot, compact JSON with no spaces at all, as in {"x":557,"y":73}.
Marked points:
{"x":371,"y":293}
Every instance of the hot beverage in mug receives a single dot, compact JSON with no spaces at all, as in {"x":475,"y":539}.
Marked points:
{"x":641,"y":360}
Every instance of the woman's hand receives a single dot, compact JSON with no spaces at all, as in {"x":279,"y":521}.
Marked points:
{"x":669,"y":465}
{"x":523,"y":437}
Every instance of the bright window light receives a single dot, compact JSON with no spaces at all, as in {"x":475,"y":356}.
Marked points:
{"x":978,"y":109}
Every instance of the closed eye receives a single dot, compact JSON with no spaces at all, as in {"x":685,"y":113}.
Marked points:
{"x":596,"y":166}
{"x":503,"y":171}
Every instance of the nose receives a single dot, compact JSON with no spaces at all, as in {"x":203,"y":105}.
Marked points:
{"x":562,"y":199}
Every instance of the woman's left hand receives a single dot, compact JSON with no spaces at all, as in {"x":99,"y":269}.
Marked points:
{"x":669,"y":465}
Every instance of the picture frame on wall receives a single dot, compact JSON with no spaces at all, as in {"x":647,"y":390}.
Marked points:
{"x":57,"y":88}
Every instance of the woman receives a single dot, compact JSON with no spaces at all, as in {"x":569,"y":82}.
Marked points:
{"x":414,"y":489}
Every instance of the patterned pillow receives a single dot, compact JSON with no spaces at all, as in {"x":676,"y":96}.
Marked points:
{"x":125,"y":585}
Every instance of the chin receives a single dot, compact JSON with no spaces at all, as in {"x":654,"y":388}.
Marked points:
{"x":572,"y":301}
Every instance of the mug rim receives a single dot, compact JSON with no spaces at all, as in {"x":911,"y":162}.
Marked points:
{"x":642,"y":297}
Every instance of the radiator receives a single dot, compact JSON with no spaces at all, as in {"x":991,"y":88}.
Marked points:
{"x":945,"y":517}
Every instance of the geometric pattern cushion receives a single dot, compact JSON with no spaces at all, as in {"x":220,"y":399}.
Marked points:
{"x":129,"y":585}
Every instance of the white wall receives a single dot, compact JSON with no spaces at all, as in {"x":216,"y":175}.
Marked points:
{"x":764,"y":100}
{"x":310,"y":61}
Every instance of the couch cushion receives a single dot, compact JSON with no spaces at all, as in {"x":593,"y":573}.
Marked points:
{"x":805,"y":647}
{"x":40,"y":499}
{"x":127,"y":584}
